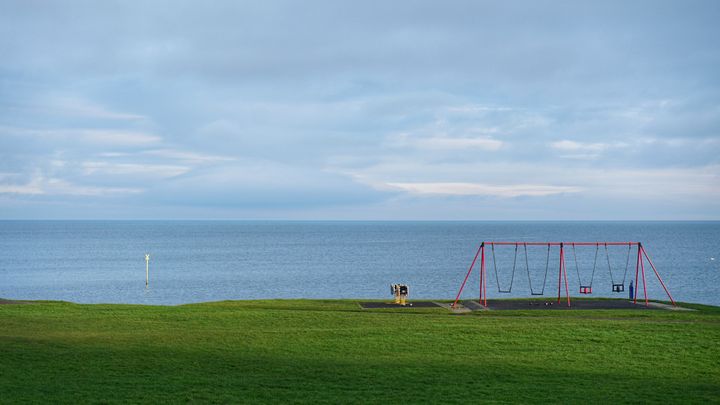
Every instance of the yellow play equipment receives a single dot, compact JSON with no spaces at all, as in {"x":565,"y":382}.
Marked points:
{"x":400,"y":292}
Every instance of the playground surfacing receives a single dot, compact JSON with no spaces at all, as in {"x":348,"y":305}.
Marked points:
{"x":415,"y":304}
{"x":520,"y":304}
{"x":554,"y":305}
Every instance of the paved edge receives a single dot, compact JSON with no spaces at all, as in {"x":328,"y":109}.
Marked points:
{"x":459,"y":309}
{"x":669,"y":307}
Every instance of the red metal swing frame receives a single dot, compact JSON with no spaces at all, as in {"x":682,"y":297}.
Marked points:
{"x":562,"y":271}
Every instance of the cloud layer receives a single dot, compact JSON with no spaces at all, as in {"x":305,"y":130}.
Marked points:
{"x":360,"y":110}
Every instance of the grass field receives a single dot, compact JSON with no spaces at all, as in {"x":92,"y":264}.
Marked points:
{"x":333,"y":351}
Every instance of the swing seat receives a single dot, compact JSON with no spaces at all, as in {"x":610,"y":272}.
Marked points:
{"x":536,"y":293}
{"x":585,"y":289}
{"x":618,"y":287}
{"x":505,"y":291}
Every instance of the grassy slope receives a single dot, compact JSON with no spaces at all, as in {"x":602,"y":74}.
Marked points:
{"x":333,"y":351}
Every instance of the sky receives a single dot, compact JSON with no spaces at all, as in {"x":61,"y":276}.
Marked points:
{"x":358,"y":110}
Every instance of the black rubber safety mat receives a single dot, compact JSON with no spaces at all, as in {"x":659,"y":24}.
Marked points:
{"x":553,"y":304}
{"x":415,"y":304}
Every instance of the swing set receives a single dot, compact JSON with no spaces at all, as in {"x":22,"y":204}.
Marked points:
{"x":586,"y":286}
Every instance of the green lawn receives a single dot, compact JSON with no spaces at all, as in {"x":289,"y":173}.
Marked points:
{"x":333,"y":351}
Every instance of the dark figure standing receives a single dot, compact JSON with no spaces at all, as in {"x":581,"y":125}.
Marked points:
{"x":632,"y":290}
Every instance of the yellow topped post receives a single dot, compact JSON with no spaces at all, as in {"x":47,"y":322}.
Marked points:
{"x":403,"y":294}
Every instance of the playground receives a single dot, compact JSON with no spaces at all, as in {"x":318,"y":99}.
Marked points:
{"x":579,"y":254}
{"x":587,"y":259}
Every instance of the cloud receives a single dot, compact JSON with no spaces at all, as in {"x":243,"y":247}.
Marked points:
{"x":33,"y":187}
{"x":40,"y":185}
{"x":567,"y":145}
{"x":107,"y":136}
{"x":261,"y":184}
{"x":110,"y":137}
{"x":653,"y":185}
{"x":148,"y":170}
{"x":478,"y":189}
{"x":441,"y":142}
{"x":187,"y":156}
{"x":584,"y":150}
{"x":423,"y":178}
{"x":73,"y":106}
{"x":478,"y":109}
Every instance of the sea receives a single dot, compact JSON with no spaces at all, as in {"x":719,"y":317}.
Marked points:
{"x":199,"y":261}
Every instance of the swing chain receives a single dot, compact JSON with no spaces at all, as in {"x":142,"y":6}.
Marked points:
{"x":577,"y":268}
{"x":586,"y":288}
{"x":607,"y":256}
{"x":592,"y":277}
{"x":497,"y":278}
{"x":527,"y":268}
{"x":627,"y":262}
{"x":618,"y":287}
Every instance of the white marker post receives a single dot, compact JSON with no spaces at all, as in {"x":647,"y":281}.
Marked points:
{"x":147,"y":269}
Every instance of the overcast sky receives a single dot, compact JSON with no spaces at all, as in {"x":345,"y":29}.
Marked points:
{"x":360,"y":110}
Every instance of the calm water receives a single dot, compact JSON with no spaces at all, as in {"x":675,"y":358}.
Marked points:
{"x":192,"y":261}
